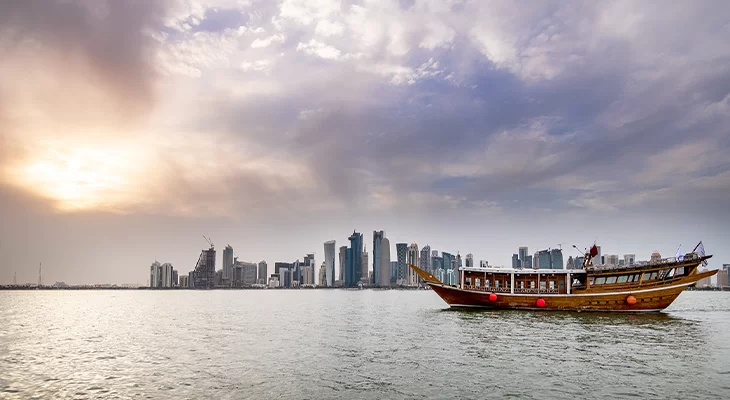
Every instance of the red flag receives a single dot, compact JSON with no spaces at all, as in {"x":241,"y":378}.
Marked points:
{"x":594,"y":251}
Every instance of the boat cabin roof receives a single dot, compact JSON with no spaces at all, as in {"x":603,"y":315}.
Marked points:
{"x":530,"y":271}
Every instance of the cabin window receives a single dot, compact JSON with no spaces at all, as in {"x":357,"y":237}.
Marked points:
{"x":520,"y":284}
{"x":623,"y":279}
{"x":532,"y":284}
{"x":478,"y":282}
{"x":593,"y":280}
{"x":543,"y":285}
{"x":647,"y":276}
{"x":486,"y":282}
{"x":561,"y":285}
{"x":611,"y":279}
{"x":468,"y":281}
{"x":552,"y":285}
{"x":679,"y":271}
{"x":600,"y":281}
{"x":653,"y":275}
{"x":497,"y":283}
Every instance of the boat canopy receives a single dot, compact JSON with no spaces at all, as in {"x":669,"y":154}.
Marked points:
{"x":531,"y":271}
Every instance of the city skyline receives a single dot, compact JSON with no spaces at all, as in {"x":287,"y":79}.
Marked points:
{"x":274,"y":126}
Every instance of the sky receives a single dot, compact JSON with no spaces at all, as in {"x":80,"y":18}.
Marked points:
{"x":129,"y":129}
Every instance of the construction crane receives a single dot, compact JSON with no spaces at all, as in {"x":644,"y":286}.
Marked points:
{"x":210,"y":242}
{"x":560,"y":246}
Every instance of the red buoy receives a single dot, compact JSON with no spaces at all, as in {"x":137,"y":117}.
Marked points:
{"x":540,"y":303}
{"x":492,"y":297}
{"x":631,"y":300}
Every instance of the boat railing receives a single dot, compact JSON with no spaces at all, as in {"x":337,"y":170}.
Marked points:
{"x":537,"y":291}
{"x":487,"y":288}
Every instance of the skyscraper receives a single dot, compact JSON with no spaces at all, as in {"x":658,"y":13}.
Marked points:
{"x":597,"y":260}
{"x":329,"y":262}
{"x":470,"y":260}
{"x":227,"y":261}
{"x":629,"y":259}
{"x":570,"y":264}
{"x":412,"y":259}
{"x":523,"y":257}
{"x":612,"y":259}
{"x":515,"y":261}
{"x":528,"y":262}
{"x":448,"y":258}
{"x":204,"y":273}
{"x":544,"y":259}
{"x":556,"y":259}
{"x":384,"y":273}
{"x":393,"y":272}
{"x":365,"y":275}
{"x":401,"y":275}
{"x":424,"y":262}
{"x":377,"y":245}
{"x":536,"y":260}
{"x":263,"y":272}
{"x":353,"y":272}
{"x":343,"y":264}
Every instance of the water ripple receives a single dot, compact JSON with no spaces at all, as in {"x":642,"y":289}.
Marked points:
{"x":327,"y":344}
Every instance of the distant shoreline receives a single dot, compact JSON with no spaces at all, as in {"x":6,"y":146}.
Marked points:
{"x":27,"y":288}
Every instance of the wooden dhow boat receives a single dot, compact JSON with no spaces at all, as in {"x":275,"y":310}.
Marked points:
{"x":649,"y":287}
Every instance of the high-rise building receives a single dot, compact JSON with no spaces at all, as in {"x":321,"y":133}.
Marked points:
{"x":322,"y":277}
{"x":598,"y":259}
{"x":578,"y":262}
{"x":528,"y":262}
{"x":385,"y":269}
{"x":516,"y":261}
{"x":544,"y":259}
{"x":204,"y":273}
{"x":249,"y":273}
{"x":307,"y":275}
{"x":365,"y":274}
{"x":162,"y":275}
{"x":629,"y":259}
{"x":401,"y":275}
{"x":470,"y":260}
{"x":393,"y":272}
{"x":722,"y":278}
{"x":556,"y":259}
{"x":329,"y":263}
{"x":412,"y":259}
{"x":437,"y":263}
{"x":611,"y":259}
{"x":523,"y":257}
{"x":353,"y":272}
{"x":449,"y":261}
{"x":570,"y":264}
{"x":227,"y":261}
{"x":536,"y":260}
{"x":343,"y":263}
{"x":424,"y":261}
{"x":434,"y":253}
{"x":377,"y":258}
{"x":263,"y":272}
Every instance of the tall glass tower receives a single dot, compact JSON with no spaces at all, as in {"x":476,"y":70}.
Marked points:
{"x":353,"y":271}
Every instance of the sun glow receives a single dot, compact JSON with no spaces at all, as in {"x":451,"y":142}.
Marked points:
{"x":80,"y":178}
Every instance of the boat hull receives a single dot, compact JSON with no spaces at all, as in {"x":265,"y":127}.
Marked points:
{"x":646,"y":300}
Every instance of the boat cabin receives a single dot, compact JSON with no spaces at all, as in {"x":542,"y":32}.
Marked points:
{"x":527,"y":281}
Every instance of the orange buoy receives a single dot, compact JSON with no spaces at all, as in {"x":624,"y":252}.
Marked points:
{"x":492,"y":297}
{"x":631,"y":300}
{"x":540,"y":303}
